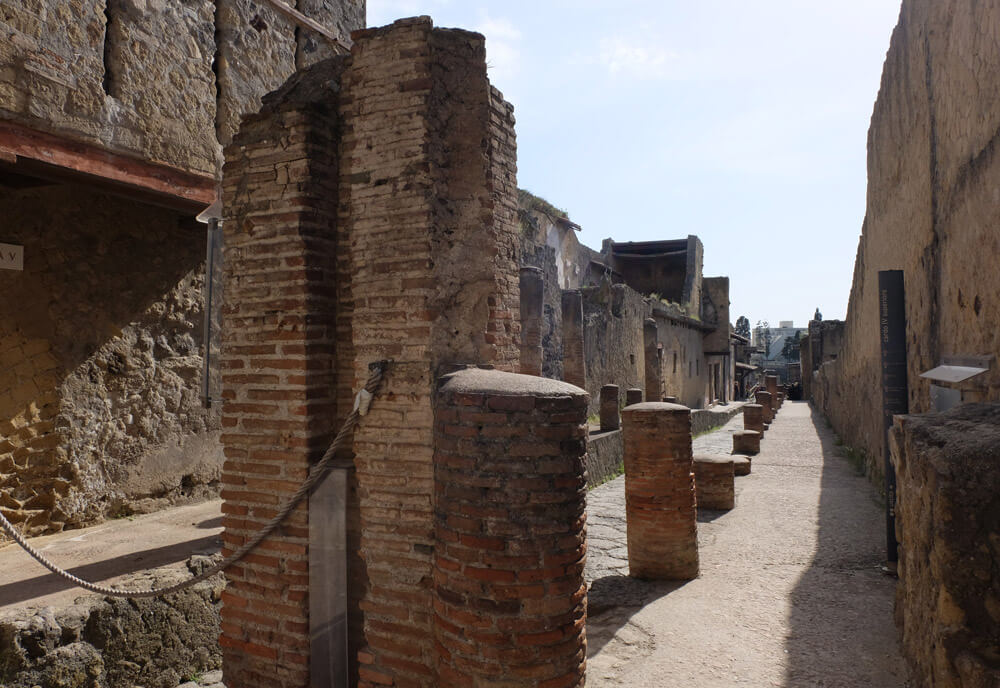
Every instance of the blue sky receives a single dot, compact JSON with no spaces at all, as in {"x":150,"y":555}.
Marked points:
{"x":743,"y":122}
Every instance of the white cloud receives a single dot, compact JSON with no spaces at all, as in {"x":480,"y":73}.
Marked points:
{"x":503,"y":52}
{"x":641,"y":59}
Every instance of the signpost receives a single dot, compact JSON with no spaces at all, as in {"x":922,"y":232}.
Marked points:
{"x":11,"y":257}
{"x":892,"y":335}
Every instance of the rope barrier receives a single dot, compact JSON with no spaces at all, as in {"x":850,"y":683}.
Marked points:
{"x":316,"y":474}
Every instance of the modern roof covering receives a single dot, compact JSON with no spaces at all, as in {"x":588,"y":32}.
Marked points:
{"x":650,"y":249}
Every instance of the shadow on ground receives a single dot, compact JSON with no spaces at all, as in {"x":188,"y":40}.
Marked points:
{"x":19,"y":591}
{"x":842,"y":605}
{"x":613,"y":600}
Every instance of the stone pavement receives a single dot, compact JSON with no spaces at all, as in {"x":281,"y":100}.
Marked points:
{"x":790,"y":592}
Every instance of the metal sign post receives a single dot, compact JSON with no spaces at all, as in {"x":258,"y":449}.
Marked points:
{"x":892,"y":335}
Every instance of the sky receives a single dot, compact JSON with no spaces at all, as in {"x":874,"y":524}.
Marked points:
{"x":744,"y":123}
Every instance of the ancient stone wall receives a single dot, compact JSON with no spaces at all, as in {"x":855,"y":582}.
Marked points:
{"x":683,"y":368}
{"x":163,"y":80}
{"x":100,"y":346}
{"x":613,"y":346}
{"x":948,"y":526}
{"x":932,"y":171}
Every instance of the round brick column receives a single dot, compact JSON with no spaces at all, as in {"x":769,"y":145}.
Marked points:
{"x":659,"y":492}
{"x":532,"y":285}
{"x":764,"y":400}
{"x":510,"y":491}
{"x":753,"y":418}
{"x":633,"y":396}
{"x":715,"y":482}
{"x":610,"y":416}
{"x":771,"y":381}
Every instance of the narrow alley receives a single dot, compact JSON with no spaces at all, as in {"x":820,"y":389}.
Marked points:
{"x":791,"y":591}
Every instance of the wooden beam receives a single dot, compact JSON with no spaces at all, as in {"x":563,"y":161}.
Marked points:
{"x":51,"y":155}
{"x":305,"y":22}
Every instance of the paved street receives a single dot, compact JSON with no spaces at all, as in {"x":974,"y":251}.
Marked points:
{"x":790,"y":592}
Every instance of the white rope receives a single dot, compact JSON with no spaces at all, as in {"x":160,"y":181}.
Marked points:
{"x":316,"y":473}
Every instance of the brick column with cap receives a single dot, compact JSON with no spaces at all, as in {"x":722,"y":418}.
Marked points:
{"x":633,"y":396}
{"x":610,"y":412}
{"x":772,"y":388}
{"x":659,"y":492}
{"x":653,"y":380}
{"x":574,"y":363}
{"x":510,"y":492}
{"x":532,"y":304}
{"x":753,"y":418}
{"x":764,"y":401}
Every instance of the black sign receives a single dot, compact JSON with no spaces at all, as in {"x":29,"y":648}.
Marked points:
{"x":892,"y":335}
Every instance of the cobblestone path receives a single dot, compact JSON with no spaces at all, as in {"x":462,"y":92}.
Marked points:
{"x":790,"y":592}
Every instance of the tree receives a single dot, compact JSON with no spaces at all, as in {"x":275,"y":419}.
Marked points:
{"x":743,"y":327}
{"x":790,"y":351}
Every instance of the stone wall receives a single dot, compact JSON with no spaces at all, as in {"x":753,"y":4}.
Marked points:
{"x":604,"y":457}
{"x":948,"y":526}
{"x":683,"y":367}
{"x":113,"y":643}
{"x":932,"y":212}
{"x":612,"y":339}
{"x":162,"y":80}
{"x":100,"y":346}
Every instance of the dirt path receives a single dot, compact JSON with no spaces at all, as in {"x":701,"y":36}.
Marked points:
{"x":790,"y":592}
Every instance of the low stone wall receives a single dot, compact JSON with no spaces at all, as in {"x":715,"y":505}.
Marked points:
{"x":604,"y":457}
{"x":101,"y":642}
{"x":948,"y":525}
{"x":703,"y":420}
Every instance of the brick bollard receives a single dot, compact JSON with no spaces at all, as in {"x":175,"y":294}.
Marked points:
{"x":660,"y":506}
{"x":746,"y":442}
{"x":610,"y":412}
{"x":764,"y":400}
{"x":510,"y":599}
{"x":633,"y":396}
{"x":753,"y":418}
{"x":714,"y":482}
{"x":670,"y":400}
{"x":574,"y":363}
{"x":532,"y":304}
{"x":741,"y":464}
{"x":772,"y":388}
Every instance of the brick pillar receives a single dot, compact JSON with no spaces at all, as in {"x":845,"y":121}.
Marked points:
{"x":633,"y":396}
{"x":610,"y":416}
{"x":532,"y":303}
{"x":753,"y":418}
{"x":670,"y":400}
{"x":714,"y":482}
{"x":659,"y":492}
{"x":764,"y":401}
{"x":278,"y":353}
{"x":510,"y":598}
{"x":574,"y":363}
{"x":654,"y":385}
{"x":428,"y":203}
{"x":771,"y":381}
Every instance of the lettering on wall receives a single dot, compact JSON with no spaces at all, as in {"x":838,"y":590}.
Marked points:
{"x":11,"y":257}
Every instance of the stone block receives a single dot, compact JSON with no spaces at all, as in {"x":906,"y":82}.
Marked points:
{"x":746,"y":442}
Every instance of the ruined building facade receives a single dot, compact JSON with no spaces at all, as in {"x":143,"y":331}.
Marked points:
{"x":112,"y":119}
{"x":933,"y":179}
{"x":650,"y":320}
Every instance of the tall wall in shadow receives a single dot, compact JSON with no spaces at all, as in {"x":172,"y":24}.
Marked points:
{"x":932,"y":212}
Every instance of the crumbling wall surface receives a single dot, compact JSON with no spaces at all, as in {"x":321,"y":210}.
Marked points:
{"x":613,"y":316}
{"x":112,"y":643}
{"x":543,"y":256}
{"x":100,"y":408}
{"x":683,"y":368}
{"x":948,"y":526}
{"x":156,"y":78}
{"x":932,"y":170}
